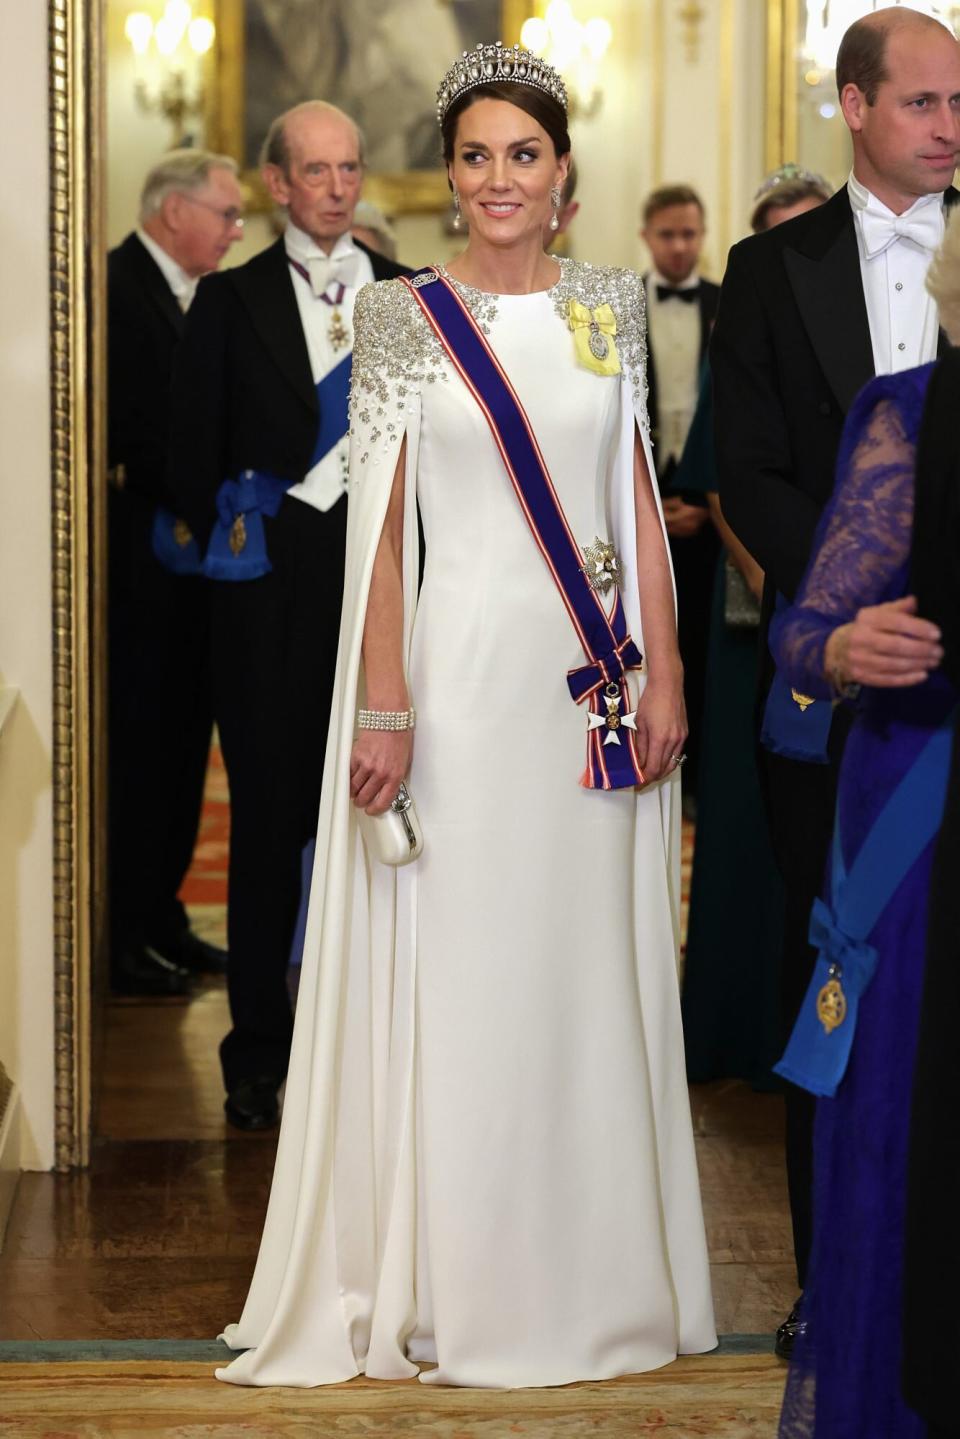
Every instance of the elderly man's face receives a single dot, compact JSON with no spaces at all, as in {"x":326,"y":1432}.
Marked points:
{"x":322,"y":187}
{"x":908,"y":142}
{"x":206,"y":221}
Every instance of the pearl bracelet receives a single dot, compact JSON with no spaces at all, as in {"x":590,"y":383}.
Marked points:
{"x":386,"y":719}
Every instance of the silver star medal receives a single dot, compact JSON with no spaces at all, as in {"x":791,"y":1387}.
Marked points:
{"x":613,"y":721}
{"x":603,"y":568}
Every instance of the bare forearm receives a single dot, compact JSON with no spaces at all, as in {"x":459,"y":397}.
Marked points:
{"x":741,"y":556}
{"x":656,"y":586}
{"x":386,"y":683}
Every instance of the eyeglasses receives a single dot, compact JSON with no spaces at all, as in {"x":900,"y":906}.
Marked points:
{"x":232,"y":218}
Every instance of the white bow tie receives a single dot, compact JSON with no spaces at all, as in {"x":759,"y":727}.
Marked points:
{"x":327,"y":270}
{"x":924,"y":227}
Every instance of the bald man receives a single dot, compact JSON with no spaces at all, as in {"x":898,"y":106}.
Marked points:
{"x":809,"y":311}
{"x":258,"y":468}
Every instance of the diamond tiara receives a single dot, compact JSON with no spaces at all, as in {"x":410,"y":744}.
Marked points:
{"x":486,"y":64}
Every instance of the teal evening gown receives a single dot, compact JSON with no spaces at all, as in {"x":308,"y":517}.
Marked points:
{"x":731,"y":990}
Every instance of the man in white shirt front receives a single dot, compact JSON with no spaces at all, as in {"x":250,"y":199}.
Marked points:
{"x":809,"y":311}
{"x":258,"y":457}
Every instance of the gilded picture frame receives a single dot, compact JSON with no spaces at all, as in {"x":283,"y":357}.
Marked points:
{"x":420,"y":190}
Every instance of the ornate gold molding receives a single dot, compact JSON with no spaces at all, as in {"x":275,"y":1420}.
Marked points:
{"x":780,"y":141}
{"x":76,"y":444}
{"x":691,"y":16}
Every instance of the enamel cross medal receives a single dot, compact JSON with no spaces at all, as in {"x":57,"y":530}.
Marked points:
{"x":613,"y":720}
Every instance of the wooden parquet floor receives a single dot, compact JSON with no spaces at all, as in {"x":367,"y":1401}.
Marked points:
{"x":149,"y":1253}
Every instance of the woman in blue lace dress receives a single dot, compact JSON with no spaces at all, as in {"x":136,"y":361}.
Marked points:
{"x":852,"y":624}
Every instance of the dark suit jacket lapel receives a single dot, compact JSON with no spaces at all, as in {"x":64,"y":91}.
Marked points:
{"x":824,"y":274}
{"x":266,"y":288}
{"x":950,"y":198}
{"x":154,"y":282}
{"x":652,"y":400}
{"x":707,"y":306}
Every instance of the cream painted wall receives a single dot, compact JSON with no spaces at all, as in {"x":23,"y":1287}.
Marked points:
{"x":26,"y":854}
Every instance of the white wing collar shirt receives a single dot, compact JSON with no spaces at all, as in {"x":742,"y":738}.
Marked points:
{"x":323,"y":311}
{"x":895,"y":254}
{"x":183,"y":286}
{"x":674,"y":330}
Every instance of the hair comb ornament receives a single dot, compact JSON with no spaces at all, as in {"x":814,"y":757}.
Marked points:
{"x":488,"y":64}
{"x":787,"y":175}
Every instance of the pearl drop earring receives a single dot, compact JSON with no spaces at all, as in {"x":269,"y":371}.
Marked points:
{"x":458,"y":217}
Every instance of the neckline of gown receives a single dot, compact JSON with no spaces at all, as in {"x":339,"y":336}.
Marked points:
{"x":501,"y":294}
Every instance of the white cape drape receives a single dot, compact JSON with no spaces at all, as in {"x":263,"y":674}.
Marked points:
{"x":331,"y":1295}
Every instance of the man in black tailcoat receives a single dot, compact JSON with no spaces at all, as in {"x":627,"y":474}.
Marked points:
{"x":260,"y":400}
{"x":809,"y":311}
{"x":681,"y":307}
{"x":159,"y":684}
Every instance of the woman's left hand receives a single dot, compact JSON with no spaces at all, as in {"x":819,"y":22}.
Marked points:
{"x":661,"y":727}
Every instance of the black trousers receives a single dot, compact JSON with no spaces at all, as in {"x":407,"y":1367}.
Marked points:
{"x":800,"y":800}
{"x":274,"y":659}
{"x":160,"y":720}
{"x":694,"y":567}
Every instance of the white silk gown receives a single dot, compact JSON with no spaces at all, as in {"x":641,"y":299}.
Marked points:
{"x":486,"y":1161}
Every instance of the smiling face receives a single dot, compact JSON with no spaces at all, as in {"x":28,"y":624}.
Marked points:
{"x":320,"y":185}
{"x":504,"y":166}
{"x":906,"y":144}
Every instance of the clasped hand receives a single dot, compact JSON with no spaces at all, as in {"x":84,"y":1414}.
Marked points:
{"x":378,"y":765}
{"x":661,"y":729}
{"x":886,"y":645}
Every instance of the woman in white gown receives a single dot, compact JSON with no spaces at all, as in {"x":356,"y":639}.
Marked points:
{"x":486,"y":1160}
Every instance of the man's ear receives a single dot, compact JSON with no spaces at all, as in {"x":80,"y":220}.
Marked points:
{"x":277,"y":184}
{"x":853,"y":102}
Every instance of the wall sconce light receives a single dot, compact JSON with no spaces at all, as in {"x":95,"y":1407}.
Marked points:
{"x":178,"y":36}
{"x":575,"y":48}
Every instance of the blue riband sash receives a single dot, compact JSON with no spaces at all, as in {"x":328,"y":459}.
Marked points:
{"x":819,"y":1049}
{"x":173,"y":544}
{"x":609,"y":648}
{"x":238,"y":547}
{"x":794,"y":724}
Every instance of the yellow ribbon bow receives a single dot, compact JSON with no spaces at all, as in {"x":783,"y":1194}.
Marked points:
{"x":593,"y":332}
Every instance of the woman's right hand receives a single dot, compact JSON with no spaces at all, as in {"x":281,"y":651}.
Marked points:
{"x":886,"y":645}
{"x":378,"y":766}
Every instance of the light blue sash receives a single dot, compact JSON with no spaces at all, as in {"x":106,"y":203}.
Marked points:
{"x":817,"y":1055}
{"x":238,"y":545}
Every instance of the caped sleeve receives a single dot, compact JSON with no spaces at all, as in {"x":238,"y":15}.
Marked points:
{"x":394,"y":354}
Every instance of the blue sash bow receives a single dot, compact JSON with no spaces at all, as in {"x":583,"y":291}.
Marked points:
{"x":794,"y":724}
{"x":817,"y":1055}
{"x":173,"y":544}
{"x":610,"y":650}
{"x":238,"y":546}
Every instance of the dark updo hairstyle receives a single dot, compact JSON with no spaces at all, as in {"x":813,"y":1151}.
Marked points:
{"x":547,"y":112}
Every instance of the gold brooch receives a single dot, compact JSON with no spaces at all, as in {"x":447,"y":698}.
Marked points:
{"x":338,"y":333}
{"x":238,"y":535}
{"x":182,"y":533}
{"x":804,"y":701}
{"x":593,"y":342}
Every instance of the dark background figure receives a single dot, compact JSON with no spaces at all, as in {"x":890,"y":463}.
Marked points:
{"x":731,"y":978}
{"x":932,"y":1257}
{"x":681,"y":306}
{"x":160,"y":716}
{"x":804,"y":321}
{"x":260,"y":339}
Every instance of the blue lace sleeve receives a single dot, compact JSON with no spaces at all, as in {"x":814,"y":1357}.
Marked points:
{"x":863,"y":540}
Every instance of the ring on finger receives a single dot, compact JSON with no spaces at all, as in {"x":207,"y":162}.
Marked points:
{"x":678,"y":759}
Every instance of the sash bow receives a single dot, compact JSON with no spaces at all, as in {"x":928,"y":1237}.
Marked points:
{"x":856,"y":960}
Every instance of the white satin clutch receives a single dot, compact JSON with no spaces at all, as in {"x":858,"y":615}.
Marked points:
{"x":394,"y":837}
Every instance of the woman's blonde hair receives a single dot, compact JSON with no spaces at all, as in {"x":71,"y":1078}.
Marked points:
{"x":943,"y":277}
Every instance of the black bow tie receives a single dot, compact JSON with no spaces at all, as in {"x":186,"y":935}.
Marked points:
{"x":688,"y":296}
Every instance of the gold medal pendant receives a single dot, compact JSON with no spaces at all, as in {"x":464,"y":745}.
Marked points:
{"x":181,"y":533}
{"x":804,"y":701}
{"x":238,"y":535}
{"x":832,"y":1002}
{"x":338,"y":334}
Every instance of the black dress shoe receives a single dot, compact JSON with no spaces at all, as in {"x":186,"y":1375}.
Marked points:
{"x":789,"y":1332}
{"x":190,"y":952}
{"x":252,"y":1104}
{"x":142,"y":970}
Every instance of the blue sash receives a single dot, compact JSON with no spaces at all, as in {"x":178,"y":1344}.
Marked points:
{"x":817,"y":1055}
{"x":794,"y":724}
{"x":609,"y":649}
{"x":173,"y":544}
{"x":238,"y":546}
